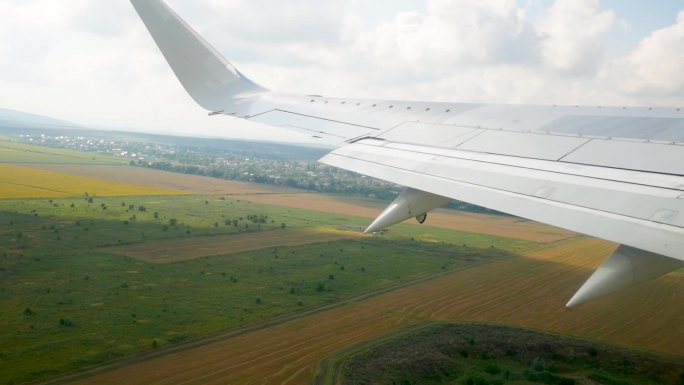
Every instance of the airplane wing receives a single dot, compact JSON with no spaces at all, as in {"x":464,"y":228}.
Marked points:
{"x":615,"y":173}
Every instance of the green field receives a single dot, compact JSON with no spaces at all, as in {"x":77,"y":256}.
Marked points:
{"x":67,"y":303}
{"x":482,"y":354}
{"x":13,"y":152}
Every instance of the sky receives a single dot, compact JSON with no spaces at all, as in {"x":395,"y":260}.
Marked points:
{"x":93,"y":63}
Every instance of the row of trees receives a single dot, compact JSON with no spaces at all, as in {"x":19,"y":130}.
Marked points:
{"x":297,"y":175}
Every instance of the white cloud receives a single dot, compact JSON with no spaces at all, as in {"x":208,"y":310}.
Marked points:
{"x":93,"y":61}
{"x":654,"y":68}
{"x":450,"y":33}
{"x":573,"y":29}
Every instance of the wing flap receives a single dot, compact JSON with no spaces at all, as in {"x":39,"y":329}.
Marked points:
{"x":528,"y":145}
{"x":313,"y":125}
{"x":652,"y":157}
{"x":645,"y":217}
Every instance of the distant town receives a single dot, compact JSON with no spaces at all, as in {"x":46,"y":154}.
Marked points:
{"x":244,"y":161}
{"x":287,"y":165}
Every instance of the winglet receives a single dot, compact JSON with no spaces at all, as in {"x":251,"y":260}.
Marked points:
{"x":206,"y":75}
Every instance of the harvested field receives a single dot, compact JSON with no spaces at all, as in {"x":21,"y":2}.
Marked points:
{"x":194,"y":184}
{"x":168,"y":251}
{"x":497,"y":225}
{"x":26,"y":182}
{"x":523,"y":291}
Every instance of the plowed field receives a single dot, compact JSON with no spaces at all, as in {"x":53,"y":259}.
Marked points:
{"x":527,"y":291}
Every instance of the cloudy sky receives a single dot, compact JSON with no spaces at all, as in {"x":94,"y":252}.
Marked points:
{"x":92,"y":62}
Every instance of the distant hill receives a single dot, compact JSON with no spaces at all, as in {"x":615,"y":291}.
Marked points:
{"x":13,"y":118}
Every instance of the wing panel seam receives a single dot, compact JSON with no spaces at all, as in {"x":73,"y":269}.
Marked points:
{"x":573,"y":150}
{"x":541,"y":169}
{"x":326,"y":119}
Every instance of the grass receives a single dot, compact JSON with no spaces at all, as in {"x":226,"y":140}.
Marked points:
{"x":463,"y":353}
{"x":26,"y":182}
{"x":12,"y":152}
{"x":169,"y":251}
{"x":67,"y":302}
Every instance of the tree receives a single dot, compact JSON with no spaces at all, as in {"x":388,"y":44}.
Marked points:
{"x":173,"y":222}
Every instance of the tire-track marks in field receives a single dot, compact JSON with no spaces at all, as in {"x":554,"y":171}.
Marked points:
{"x":252,"y":357}
{"x":505,"y":294}
{"x":409,"y":311}
{"x":270,"y":350}
{"x":484,"y":293}
{"x":510,"y":298}
{"x":565,"y":278}
{"x":311,"y":347}
{"x":476,"y":289}
{"x":630,"y":326}
{"x":328,"y":348}
{"x":674,"y":283}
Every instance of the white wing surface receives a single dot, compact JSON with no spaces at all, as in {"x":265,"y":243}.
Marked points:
{"x":612,"y":172}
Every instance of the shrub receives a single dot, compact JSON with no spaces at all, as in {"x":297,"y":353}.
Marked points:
{"x":66,"y":322}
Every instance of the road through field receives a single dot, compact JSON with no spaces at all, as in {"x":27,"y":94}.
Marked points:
{"x":528,"y":291}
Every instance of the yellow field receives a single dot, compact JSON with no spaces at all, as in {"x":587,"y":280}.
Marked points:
{"x":25,"y":182}
{"x":167,"y":251}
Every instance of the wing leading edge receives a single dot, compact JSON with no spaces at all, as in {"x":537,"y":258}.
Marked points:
{"x":613,"y":173}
